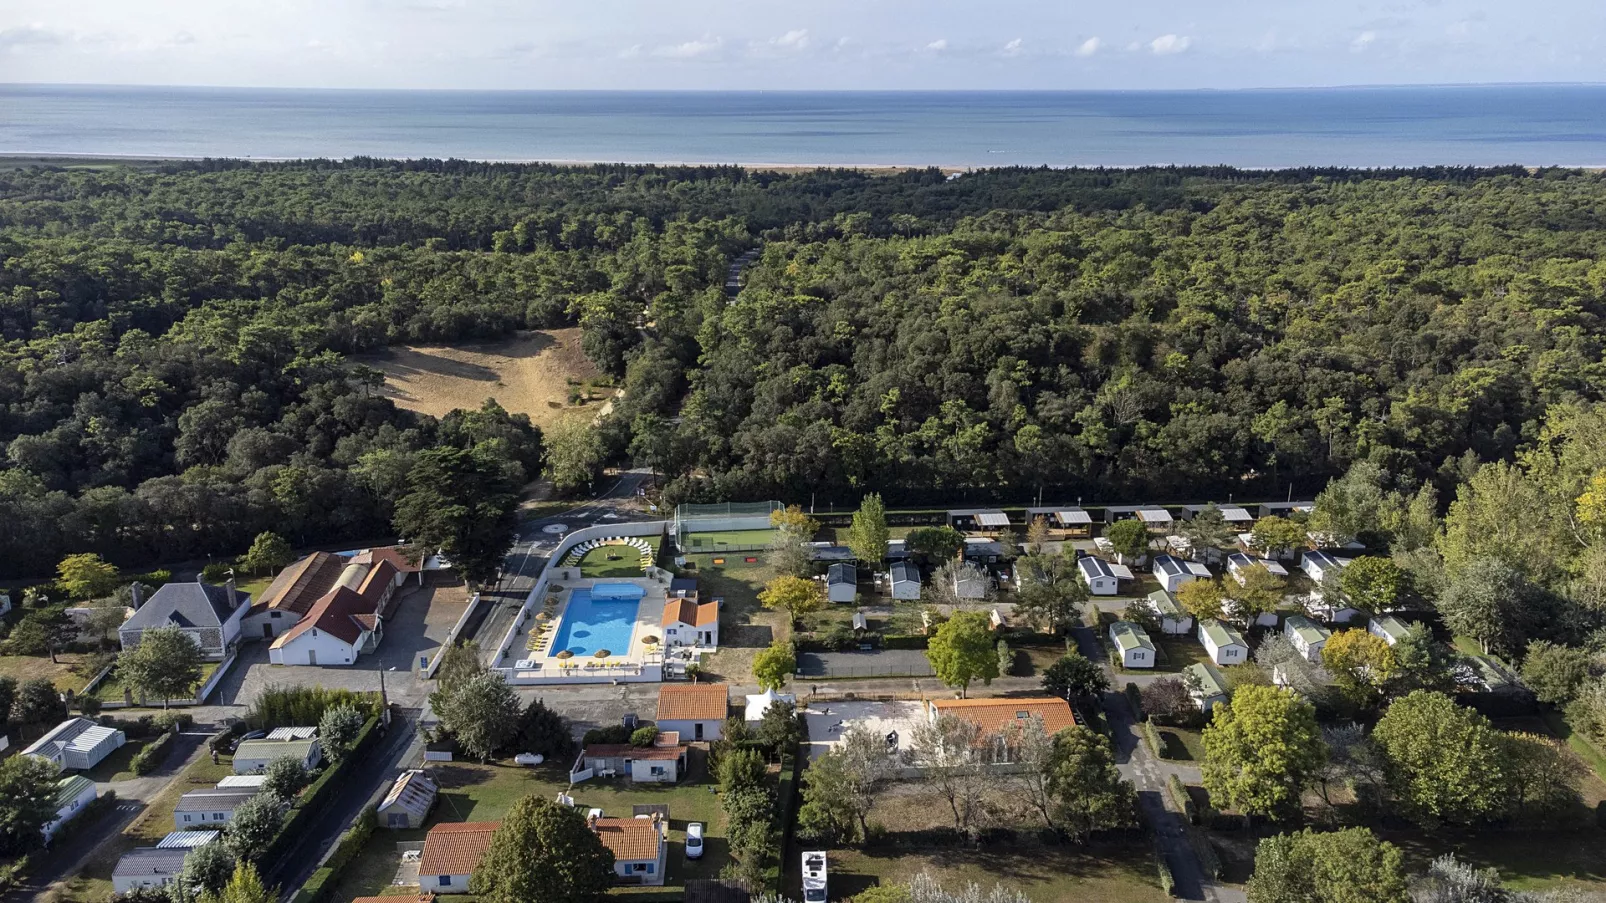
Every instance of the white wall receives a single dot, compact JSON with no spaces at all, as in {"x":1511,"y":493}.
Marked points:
{"x":329,"y":650}
{"x":430,"y":884}
{"x":688,"y":729}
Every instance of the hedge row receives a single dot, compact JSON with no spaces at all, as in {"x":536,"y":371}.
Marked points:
{"x":1134,"y":696}
{"x":1168,"y":882}
{"x":347,"y":848}
{"x":1184,"y":801}
{"x":786,"y":797}
{"x":146,"y":760}
{"x":1152,"y":738}
{"x":316,"y":796}
{"x":1206,"y":851}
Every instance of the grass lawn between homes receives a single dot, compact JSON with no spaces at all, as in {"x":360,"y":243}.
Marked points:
{"x":472,"y":792}
{"x":1115,"y":873}
{"x":111,"y":689}
{"x":31,"y":667}
{"x":94,"y":883}
{"x":745,"y":626}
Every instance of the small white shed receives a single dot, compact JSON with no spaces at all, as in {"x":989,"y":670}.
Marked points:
{"x":905,"y":581}
{"x":77,"y":743}
{"x":1100,"y":575}
{"x":842,"y":582}
{"x":1318,"y":566}
{"x":1206,"y":684}
{"x":1133,"y":643}
{"x":1388,"y":628}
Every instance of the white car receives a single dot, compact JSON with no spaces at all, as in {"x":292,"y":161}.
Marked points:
{"x":694,"y":840}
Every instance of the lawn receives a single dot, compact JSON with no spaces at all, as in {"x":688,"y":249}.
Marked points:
{"x":471,"y":792}
{"x":611,"y":561}
{"x":1526,"y":860}
{"x":1122,"y":873}
{"x":745,"y":626}
{"x":111,"y":689}
{"x":1181,"y":744}
{"x":115,"y":767}
{"x":1177,"y":652}
{"x":94,"y":884}
{"x":30,"y":667}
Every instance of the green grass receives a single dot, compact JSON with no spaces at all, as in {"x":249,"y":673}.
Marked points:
{"x":1177,"y":652}
{"x":111,"y":689}
{"x":713,"y":542}
{"x":626,"y":562}
{"x":115,"y":767}
{"x":255,"y":587}
{"x":1526,"y":860}
{"x":1181,"y":744}
{"x":1578,"y":743}
{"x":1094,"y":874}
{"x":471,"y":792}
{"x":30,"y":667}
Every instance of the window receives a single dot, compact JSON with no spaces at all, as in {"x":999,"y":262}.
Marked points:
{"x":649,"y":868}
{"x":640,"y":867}
{"x":657,"y":771}
{"x":445,"y":880}
{"x":186,"y":816}
{"x":275,"y":615}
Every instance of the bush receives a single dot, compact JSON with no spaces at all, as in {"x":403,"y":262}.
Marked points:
{"x":316,"y":796}
{"x":304,"y":706}
{"x":1134,"y":697}
{"x":155,"y":579}
{"x":1151,"y":737}
{"x":903,"y":641}
{"x":1206,"y":852}
{"x":88,"y":706}
{"x":643,"y":737}
{"x":1180,"y":796}
{"x":146,"y":760}
{"x":1168,"y":882}
{"x":839,"y":637}
{"x":612,"y":734}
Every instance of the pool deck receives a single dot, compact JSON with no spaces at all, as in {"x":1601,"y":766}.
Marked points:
{"x":544,"y":619}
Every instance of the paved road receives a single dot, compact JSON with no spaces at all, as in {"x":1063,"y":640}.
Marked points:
{"x":1150,"y":774}
{"x":400,"y":746}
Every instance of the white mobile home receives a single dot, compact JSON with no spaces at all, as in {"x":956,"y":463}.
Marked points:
{"x":842,"y":582}
{"x":1387,"y":628}
{"x":209,"y":808}
{"x":253,"y":756}
{"x":1225,"y":645}
{"x":1206,"y":685}
{"x":1133,"y":643}
{"x":73,"y":793}
{"x":1237,"y":562}
{"x":905,"y":581}
{"x":1102,"y":577}
{"x":1318,"y":566}
{"x":1174,"y":619}
{"x":1306,"y":635}
{"x":147,"y":867}
{"x":662,"y":763}
{"x":77,"y":743}
{"x":1173,"y":572}
{"x":971,"y":582}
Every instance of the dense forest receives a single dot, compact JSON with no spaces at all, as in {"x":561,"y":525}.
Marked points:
{"x":174,"y":340}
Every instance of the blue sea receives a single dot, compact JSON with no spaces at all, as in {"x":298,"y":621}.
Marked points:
{"x":1404,"y":126}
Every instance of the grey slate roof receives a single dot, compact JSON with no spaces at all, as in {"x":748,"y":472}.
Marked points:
{"x":145,"y":862}
{"x":186,"y":605}
{"x":842,"y":573}
{"x":904,"y":572}
{"x":213,"y":800}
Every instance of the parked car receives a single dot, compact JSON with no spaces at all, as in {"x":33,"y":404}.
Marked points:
{"x":694,"y":840}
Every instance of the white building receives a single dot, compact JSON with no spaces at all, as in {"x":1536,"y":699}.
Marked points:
{"x":451,"y":852}
{"x":1388,"y":628}
{"x":905,"y":581}
{"x":77,"y":743}
{"x":759,"y":703}
{"x":344,"y":623}
{"x":694,"y":711}
{"x":1174,"y":619}
{"x":209,"y":615}
{"x":1237,"y":562}
{"x":971,"y":582}
{"x":1318,"y":566}
{"x":1306,"y":635}
{"x":147,"y":867}
{"x":1206,"y":685}
{"x":662,"y":763}
{"x":1102,"y":577}
{"x":1225,"y":645}
{"x":1173,"y":572}
{"x":407,"y":803}
{"x":1133,"y":643}
{"x":209,"y":808}
{"x":253,"y":756}
{"x":73,"y":793}
{"x":842,"y":582}
{"x":638,"y":845}
{"x":687,"y":621}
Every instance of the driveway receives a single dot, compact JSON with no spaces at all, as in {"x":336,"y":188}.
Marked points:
{"x":1150,"y":774}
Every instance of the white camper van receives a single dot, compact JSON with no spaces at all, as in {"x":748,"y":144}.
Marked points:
{"x":814,"y":877}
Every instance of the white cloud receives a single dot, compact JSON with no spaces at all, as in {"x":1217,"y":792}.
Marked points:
{"x":1167,"y":44}
{"x":631,"y":52}
{"x":1362,"y":41}
{"x":796,"y":39}
{"x":938,"y":45}
{"x":1013,"y":48}
{"x":690,"y":49}
{"x":35,"y":34}
{"x":1089,"y":46}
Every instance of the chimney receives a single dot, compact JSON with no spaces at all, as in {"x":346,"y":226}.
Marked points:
{"x":136,"y":594}
{"x":228,"y":586}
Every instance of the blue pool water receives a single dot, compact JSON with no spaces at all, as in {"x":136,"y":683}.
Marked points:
{"x":602,"y":617}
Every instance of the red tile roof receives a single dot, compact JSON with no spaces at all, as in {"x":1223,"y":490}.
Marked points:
{"x":629,"y":839}
{"x":992,"y":715}
{"x":301,"y":584}
{"x":455,"y":849}
{"x":693,"y":702}
{"x":689,"y":611}
{"x":392,"y":554}
{"x":627,"y":751}
{"x":334,"y":614}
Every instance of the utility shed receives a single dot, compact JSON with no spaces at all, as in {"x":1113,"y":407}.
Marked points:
{"x":77,"y":743}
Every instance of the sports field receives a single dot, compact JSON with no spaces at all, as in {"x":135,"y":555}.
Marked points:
{"x":728,"y":540}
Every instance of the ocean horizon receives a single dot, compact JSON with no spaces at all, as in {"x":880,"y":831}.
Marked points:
{"x":1385,"y":126}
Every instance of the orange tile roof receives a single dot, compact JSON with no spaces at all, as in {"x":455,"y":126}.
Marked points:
{"x":379,"y":578}
{"x":392,"y":554}
{"x":992,"y":715}
{"x":690,"y":611}
{"x":455,"y":849}
{"x":629,"y":839}
{"x":301,"y":583}
{"x":693,"y":702}
{"x":334,"y":614}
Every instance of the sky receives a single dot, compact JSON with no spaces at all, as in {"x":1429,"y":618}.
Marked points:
{"x":818,"y":44}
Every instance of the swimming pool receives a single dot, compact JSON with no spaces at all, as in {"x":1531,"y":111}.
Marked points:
{"x":602,"y":617}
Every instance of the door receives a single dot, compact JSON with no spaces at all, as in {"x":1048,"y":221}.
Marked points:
{"x":267,"y":631}
{"x":312,"y":656}
{"x":697,"y":731}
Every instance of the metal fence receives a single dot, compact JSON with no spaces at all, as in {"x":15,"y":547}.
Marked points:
{"x":849,"y":672}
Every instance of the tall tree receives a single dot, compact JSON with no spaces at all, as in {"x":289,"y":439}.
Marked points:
{"x":1445,"y":763}
{"x":1361,"y":664}
{"x":868,"y":535}
{"x":574,"y":453}
{"x":1275,"y":535}
{"x":1493,"y":603}
{"x":961,"y":651}
{"x":463,"y":503}
{"x":934,"y":545}
{"x":482,"y":713}
{"x":1371,"y":583}
{"x":1051,"y":592}
{"x":1208,"y":529}
{"x":947,"y":751}
{"x":244,"y":886}
{"x":1262,"y":750}
{"x":1129,"y":538}
{"x":27,"y":802}
{"x":37,"y":704}
{"x":1258,"y":591}
{"x":256,"y":822}
{"x":1088,"y":792}
{"x":338,"y":730}
{"x":86,"y":576}
{"x":543,"y":851}
{"x":268,"y":552}
{"x":773,"y":666}
{"x":1074,"y":677}
{"x":165,"y":665}
{"x":207,"y":870}
{"x":794,"y":595}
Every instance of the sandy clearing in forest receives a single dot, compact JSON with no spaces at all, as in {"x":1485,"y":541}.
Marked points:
{"x":526,"y":373}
